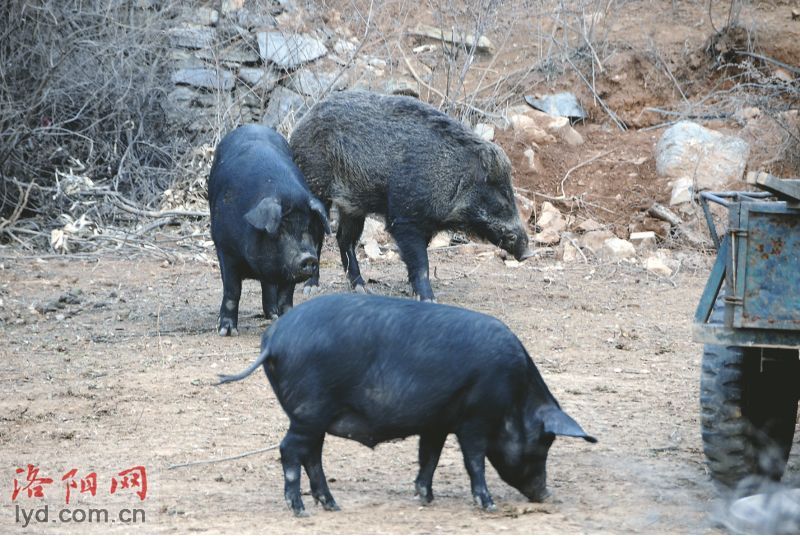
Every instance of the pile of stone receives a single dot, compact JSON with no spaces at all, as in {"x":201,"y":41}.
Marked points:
{"x":234,"y":65}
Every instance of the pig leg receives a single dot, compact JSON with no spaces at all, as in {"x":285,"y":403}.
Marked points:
{"x":231,"y":293}
{"x":413,"y":245}
{"x":347,"y":235}
{"x":319,"y":484}
{"x":430,"y":448}
{"x":295,"y":449}
{"x":285,"y":297}
{"x":473,"y":447}
{"x":269,"y":300}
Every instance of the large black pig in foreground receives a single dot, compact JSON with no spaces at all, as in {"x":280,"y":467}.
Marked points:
{"x":265,"y":223}
{"x":373,"y":369}
{"x":419,"y":168}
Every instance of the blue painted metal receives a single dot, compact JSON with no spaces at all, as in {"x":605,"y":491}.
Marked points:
{"x":759,"y":259}
{"x":713,"y":284}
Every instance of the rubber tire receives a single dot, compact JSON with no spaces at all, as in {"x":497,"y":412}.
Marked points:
{"x":748,"y":415}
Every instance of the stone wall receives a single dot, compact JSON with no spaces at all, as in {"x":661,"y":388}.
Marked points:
{"x":238,"y":61}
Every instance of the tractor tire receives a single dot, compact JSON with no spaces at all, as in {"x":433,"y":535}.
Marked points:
{"x":748,"y":402}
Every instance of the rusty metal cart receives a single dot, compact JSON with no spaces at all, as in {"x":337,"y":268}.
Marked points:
{"x":749,"y":321}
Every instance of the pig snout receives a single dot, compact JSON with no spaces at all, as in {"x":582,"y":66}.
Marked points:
{"x":516,"y":243}
{"x":306,"y":265}
{"x":537,"y":491}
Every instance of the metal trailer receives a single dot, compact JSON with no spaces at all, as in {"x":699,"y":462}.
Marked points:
{"x":749,"y":321}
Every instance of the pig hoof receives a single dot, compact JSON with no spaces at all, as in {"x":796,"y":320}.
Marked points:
{"x":424,"y":494}
{"x":300,"y":513}
{"x":226,"y":331}
{"x":361,"y":289}
{"x":490,"y":508}
{"x":310,"y":290}
{"x":331,"y":506}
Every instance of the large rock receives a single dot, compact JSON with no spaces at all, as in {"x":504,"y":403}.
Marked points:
{"x":525,"y":207}
{"x":594,"y":240}
{"x":530,"y":132}
{"x":192,"y":36}
{"x":285,"y":107}
{"x":374,"y":229}
{"x":711,"y":158}
{"x":215,"y":79}
{"x":313,"y":84}
{"x":616,"y":249}
{"x":551,"y":218}
{"x":289,"y":51}
{"x":262,"y":78}
{"x":236,"y":53}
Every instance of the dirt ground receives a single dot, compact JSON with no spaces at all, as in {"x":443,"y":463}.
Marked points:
{"x":109,"y":363}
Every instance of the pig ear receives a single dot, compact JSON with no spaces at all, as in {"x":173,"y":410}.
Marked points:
{"x":559,"y":423}
{"x":266,"y":215}
{"x":319,"y":209}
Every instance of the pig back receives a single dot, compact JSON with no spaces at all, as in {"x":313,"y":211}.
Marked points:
{"x":356,"y":146}
{"x":398,"y":366}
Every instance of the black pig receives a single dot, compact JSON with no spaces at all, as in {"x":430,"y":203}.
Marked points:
{"x":419,"y":168}
{"x":373,"y":369}
{"x":265,"y":223}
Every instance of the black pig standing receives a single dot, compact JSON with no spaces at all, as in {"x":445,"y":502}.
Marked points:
{"x":265,"y":223}
{"x":419,"y":168}
{"x":373,"y":369}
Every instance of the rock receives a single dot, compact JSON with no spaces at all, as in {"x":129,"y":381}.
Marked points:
{"x":656,"y":266}
{"x":682,"y":189}
{"x":783,"y":75}
{"x":550,"y":218}
{"x":643,"y":241}
{"x":560,"y":104}
{"x":284,"y":108}
{"x":529,"y":130}
{"x":440,"y":240}
{"x":512,"y":263}
{"x":483,"y":43}
{"x":313,"y":84}
{"x":229,"y":6}
{"x":192,"y":36}
{"x":263,"y":78}
{"x":568,"y":249}
{"x":530,"y":157}
{"x":713,"y":160}
{"x":252,"y":19}
{"x":289,"y":51}
{"x":616,"y":249}
{"x":746,"y":114}
{"x":645,"y":223}
{"x":215,"y":79}
{"x":205,"y":15}
{"x":547,"y":236}
{"x":589,"y":225}
{"x":344,"y":48}
{"x":374,"y":229}
{"x":236,"y":53}
{"x":372,"y":249}
{"x":183,"y":59}
{"x":594,"y":240}
{"x":562,"y":130}
{"x":525,"y":207}
{"x":485,"y":131}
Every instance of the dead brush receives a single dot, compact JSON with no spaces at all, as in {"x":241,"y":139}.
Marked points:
{"x":81,"y":86}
